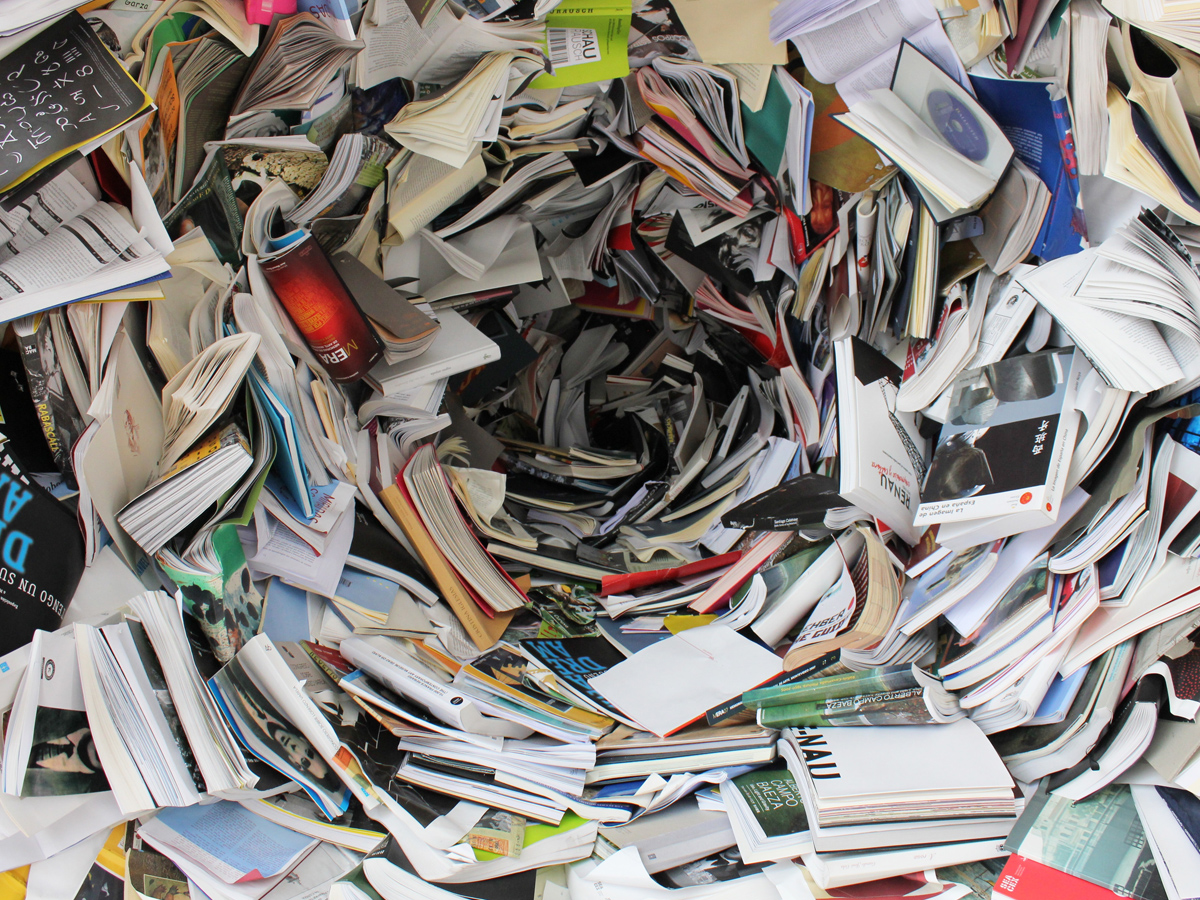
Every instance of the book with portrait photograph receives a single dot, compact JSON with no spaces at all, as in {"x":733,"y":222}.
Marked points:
{"x":269,"y":734}
{"x":1007,"y":441}
{"x":49,"y":750}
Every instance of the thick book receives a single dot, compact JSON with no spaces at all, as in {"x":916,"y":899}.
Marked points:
{"x":1007,"y":441}
{"x":482,"y":627}
{"x":458,"y":347}
{"x":843,"y":783}
{"x":767,"y":814}
{"x":197,"y":480}
{"x":882,"y":455}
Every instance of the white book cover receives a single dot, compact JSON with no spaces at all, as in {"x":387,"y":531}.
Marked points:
{"x":1007,"y":442}
{"x":458,"y":347}
{"x":882,"y":455}
{"x":843,"y":765}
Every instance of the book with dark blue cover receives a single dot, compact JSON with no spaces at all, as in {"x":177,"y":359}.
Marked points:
{"x":1039,"y":129}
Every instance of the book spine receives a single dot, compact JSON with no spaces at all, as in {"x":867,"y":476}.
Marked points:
{"x":901,"y":707}
{"x":37,"y":375}
{"x":871,"y":681}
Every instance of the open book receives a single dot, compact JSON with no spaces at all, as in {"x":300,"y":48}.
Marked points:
{"x":936,"y":132}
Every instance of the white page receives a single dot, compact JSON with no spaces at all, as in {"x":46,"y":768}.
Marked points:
{"x":396,"y":45}
{"x":691,"y":672}
{"x":833,"y":52}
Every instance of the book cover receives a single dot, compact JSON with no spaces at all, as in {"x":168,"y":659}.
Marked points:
{"x":586,"y":41}
{"x":774,"y":799}
{"x":63,"y":757}
{"x":575,"y":661}
{"x":113,"y":98}
{"x":883,"y":461}
{"x":41,"y":557}
{"x":1007,"y":440}
{"x":56,"y":410}
{"x":324,"y":311}
{"x":1100,"y":839}
{"x":1025,"y":879}
{"x":843,"y":764}
{"x":1039,"y":128}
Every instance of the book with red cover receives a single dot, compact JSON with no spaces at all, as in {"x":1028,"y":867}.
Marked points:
{"x":1024,"y":879}
{"x":631,"y":581}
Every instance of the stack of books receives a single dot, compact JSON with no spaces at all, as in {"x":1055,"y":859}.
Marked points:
{"x":537,"y":448}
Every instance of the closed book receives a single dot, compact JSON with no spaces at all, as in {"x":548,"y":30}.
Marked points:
{"x":1007,"y":441}
{"x":458,"y":347}
{"x":882,"y":461}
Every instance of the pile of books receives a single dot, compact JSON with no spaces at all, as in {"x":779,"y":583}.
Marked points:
{"x":612,"y":449}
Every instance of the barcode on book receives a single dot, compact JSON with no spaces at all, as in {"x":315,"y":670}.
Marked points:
{"x":572,"y":46}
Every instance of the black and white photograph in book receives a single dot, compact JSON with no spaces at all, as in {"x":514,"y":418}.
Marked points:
{"x":1000,"y":430}
{"x":63,"y":759}
{"x":269,"y":734}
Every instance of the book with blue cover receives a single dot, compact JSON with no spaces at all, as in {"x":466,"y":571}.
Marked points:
{"x":1039,"y":128}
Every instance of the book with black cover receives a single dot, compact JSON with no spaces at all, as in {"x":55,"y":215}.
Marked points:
{"x":796,"y":503}
{"x":41,"y":557}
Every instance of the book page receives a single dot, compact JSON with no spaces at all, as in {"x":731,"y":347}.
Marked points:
{"x":88,"y":242}
{"x":396,"y":45}
{"x":835,"y":51}
{"x":876,"y":73}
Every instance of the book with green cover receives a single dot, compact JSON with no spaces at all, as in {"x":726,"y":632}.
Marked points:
{"x":586,"y":41}
{"x":849,"y":684}
{"x":1099,"y":839}
{"x":774,"y":799}
{"x":904,"y":706}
